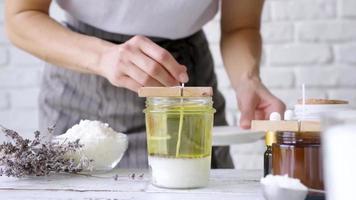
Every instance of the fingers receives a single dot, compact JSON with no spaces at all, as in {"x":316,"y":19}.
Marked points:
{"x":140,"y":62}
{"x":163,"y":57}
{"x":275,"y":106}
{"x":140,"y":76}
{"x":259,"y":115}
{"x":153,"y":69}
{"x":256,"y":102}
{"x":247,"y":106}
{"x":127,"y":82}
{"x":271,"y":104}
{"x":246,"y":117}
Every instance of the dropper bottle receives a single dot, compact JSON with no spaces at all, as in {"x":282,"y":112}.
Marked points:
{"x":270,"y":138}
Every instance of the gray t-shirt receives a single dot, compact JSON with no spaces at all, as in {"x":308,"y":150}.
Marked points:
{"x":170,"y":19}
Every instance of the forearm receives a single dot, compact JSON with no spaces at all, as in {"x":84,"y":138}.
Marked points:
{"x":35,"y":32}
{"x":241,"y":52}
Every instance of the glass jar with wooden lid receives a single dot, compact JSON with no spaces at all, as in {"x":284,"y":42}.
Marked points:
{"x":179,"y":125}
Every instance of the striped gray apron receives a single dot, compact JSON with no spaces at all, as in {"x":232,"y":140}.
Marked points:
{"x":67,"y":96}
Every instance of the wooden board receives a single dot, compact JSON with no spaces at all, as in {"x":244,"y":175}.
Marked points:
{"x":175,"y":92}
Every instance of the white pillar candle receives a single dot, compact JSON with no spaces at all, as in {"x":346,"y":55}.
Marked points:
{"x":339,"y":148}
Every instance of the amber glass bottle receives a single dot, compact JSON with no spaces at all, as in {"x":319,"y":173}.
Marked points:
{"x":298,"y":154}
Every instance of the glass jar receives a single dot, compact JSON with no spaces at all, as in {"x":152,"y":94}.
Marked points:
{"x":298,"y":154}
{"x":179,"y":137}
{"x":313,"y":109}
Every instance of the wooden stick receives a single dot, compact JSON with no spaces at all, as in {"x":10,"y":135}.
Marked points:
{"x":175,"y":92}
{"x":159,"y":92}
{"x":310,"y":126}
{"x":297,"y":126}
{"x":197,"y":91}
{"x":267,"y":125}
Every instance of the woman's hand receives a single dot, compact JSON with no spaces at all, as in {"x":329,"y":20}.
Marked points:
{"x":241,"y":51}
{"x":140,"y":62}
{"x":256,"y":102}
{"x":135,"y":63}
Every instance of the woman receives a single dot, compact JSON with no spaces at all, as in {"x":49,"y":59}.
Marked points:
{"x":108,"y":49}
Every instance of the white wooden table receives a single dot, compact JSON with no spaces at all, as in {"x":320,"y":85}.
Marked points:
{"x":224,"y":184}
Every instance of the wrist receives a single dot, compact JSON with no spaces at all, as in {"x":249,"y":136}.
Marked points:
{"x":250,"y":79}
{"x":99,"y":55}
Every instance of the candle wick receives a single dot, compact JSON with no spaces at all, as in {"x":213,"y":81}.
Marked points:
{"x":180,"y":126}
{"x":303,"y":100}
{"x":181,"y":89}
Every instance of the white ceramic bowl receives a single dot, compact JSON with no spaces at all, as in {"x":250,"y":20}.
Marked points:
{"x":106,"y":153}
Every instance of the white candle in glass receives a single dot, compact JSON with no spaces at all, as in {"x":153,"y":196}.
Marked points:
{"x":339,"y":151}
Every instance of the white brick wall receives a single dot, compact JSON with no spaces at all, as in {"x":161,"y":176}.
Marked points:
{"x":305,"y":41}
{"x":347,"y":8}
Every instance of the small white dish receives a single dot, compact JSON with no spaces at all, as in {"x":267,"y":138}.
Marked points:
{"x":272,"y":192}
{"x":229,"y":135}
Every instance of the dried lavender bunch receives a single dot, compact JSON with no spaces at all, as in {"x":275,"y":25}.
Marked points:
{"x":23,"y":157}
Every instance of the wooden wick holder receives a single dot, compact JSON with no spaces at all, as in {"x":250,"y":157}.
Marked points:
{"x":175,"y":92}
{"x":293,"y":125}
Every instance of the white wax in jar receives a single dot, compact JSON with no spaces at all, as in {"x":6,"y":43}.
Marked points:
{"x":180,"y":172}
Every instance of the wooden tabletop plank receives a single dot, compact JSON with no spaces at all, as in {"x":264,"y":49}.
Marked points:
{"x":60,"y":195}
{"x":101,"y":182}
{"x":225,"y":181}
{"x":226,"y":184}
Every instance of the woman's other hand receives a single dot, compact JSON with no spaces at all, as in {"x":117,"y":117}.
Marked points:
{"x":256,"y":102}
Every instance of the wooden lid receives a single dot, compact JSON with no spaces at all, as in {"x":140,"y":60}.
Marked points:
{"x":175,"y":92}
{"x":322,"y":101}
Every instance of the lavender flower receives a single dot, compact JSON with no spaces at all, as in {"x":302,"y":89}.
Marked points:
{"x":24,"y":157}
